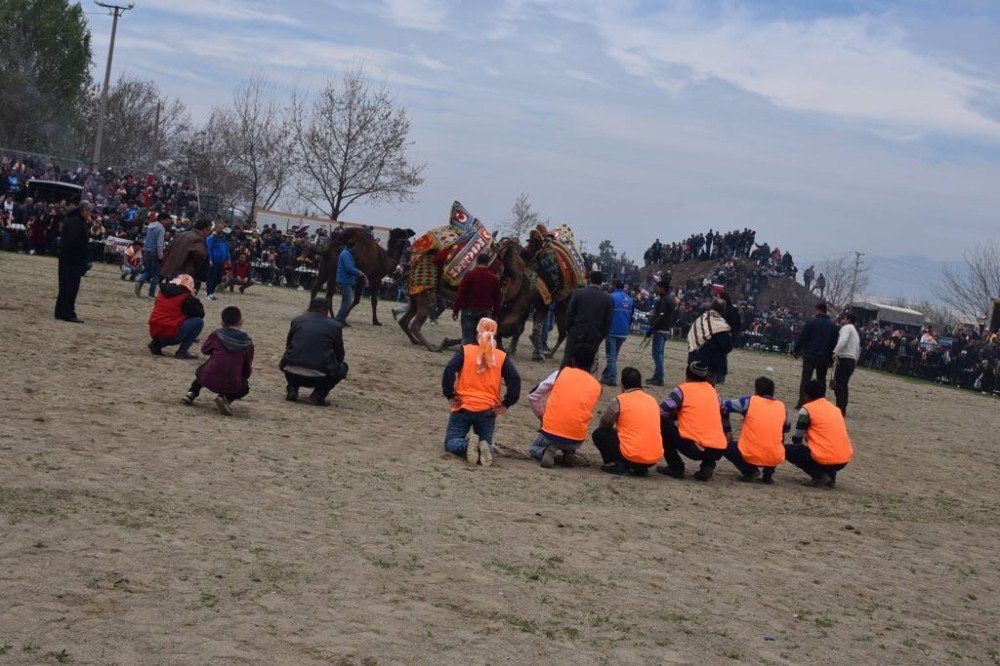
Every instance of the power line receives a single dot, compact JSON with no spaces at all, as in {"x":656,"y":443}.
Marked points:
{"x":116,"y":12}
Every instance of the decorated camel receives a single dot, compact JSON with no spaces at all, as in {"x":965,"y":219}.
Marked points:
{"x":442,"y":257}
{"x":371,"y":258}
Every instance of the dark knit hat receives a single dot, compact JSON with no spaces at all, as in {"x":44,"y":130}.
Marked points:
{"x":698,"y":369}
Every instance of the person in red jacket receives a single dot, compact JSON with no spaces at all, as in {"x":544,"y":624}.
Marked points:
{"x":240,"y":274}
{"x":177,"y":318}
{"x":229,"y":365}
{"x":479,"y":295}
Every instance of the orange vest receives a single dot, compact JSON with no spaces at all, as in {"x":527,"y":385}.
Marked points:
{"x":700,"y":417}
{"x":762,"y":437}
{"x":478,"y":391}
{"x":571,"y":404}
{"x":639,"y":427}
{"x":827,"y":434}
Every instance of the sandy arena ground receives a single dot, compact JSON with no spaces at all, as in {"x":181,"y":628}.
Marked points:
{"x":136,"y":530}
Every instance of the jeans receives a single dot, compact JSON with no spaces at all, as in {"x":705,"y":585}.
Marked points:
{"x":150,"y":271}
{"x":231,"y":397}
{"x":812,"y":365}
{"x":734,"y":456}
{"x":459,"y":423}
{"x":659,"y":345}
{"x":214,"y":277}
{"x":470,"y":321}
{"x":547,"y":324}
{"x":612,"y":345}
{"x":70,"y":274}
{"x":799,"y":455}
{"x":674,"y":445}
{"x":346,"y":301}
{"x":186,"y":336}
{"x":841,"y":377}
{"x":542,"y":442}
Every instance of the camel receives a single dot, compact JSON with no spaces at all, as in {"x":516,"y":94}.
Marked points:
{"x":372,"y":259}
{"x":516,"y":301}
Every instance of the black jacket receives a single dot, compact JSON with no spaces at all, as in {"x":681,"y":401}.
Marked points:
{"x":818,"y":338}
{"x":714,"y":353}
{"x":664,"y":314}
{"x":588,"y":316}
{"x":74,"y":242}
{"x":316,"y":341}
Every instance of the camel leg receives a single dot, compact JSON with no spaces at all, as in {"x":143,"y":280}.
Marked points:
{"x":561,"y":327}
{"x":374,"y":297}
{"x":423,"y":311}
{"x":331,"y":288}
{"x":404,"y":321}
{"x":537,"y":322}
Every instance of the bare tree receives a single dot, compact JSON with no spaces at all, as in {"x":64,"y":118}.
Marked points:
{"x":256,"y":137}
{"x":522,"y":219}
{"x":351,"y":144}
{"x":144,"y":127}
{"x":204,"y":157}
{"x":847,"y":276}
{"x":971,"y":288}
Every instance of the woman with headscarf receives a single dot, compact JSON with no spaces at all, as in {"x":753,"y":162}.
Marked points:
{"x":710,"y":341}
{"x":471,"y":383}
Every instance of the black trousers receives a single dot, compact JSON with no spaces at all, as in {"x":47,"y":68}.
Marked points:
{"x":607,"y":442}
{"x":231,"y":397}
{"x":70,"y":273}
{"x":674,"y":445}
{"x":812,"y":366}
{"x":841,"y":377}
{"x":321,"y":386}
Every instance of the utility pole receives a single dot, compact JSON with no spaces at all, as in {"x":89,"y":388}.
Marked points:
{"x":116,"y":12}
{"x":854,"y":278}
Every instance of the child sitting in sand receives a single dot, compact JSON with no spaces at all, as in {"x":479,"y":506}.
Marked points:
{"x":229,"y":364}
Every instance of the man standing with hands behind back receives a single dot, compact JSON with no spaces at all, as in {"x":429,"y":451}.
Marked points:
{"x":815,"y":346}
{"x":74,"y":244}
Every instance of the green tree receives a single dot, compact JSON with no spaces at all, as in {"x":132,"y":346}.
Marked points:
{"x":45,"y":61}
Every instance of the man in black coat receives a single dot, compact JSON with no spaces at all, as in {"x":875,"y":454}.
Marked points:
{"x":588,"y":317}
{"x":74,"y":245}
{"x":314,"y":354}
{"x":660,"y":323}
{"x":815,"y":346}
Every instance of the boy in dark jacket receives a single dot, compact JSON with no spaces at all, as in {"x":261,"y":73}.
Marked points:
{"x":177,"y":318}
{"x":229,"y":364}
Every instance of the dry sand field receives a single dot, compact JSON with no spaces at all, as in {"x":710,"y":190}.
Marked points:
{"x":137,"y":530}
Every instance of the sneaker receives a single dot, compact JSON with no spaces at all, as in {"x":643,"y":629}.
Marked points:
{"x":155,"y":349}
{"x":768,"y":480}
{"x":188,"y":398}
{"x":185,"y":356}
{"x":549,"y":457}
{"x":138,"y":289}
{"x":211,"y":297}
{"x":292,"y":395}
{"x":472,"y":453}
{"x":703,"y":474}
{"x":485,"y":455}
{"x":225,"y":407}
{"x":672,"y":473}
{"x":750,"y":476}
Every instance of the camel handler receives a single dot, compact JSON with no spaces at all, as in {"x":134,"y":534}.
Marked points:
{"x":827,"y":448}
{"x":479,"y":295}
{"x":761,"y":443}
{"x":629,"y":434}
{"x":471,"y":382}
{"x":692,"y":424}
{"x":564,"y":403}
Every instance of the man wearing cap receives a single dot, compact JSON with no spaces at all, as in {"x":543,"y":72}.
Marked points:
{"x":152,"y":255}
{"x":692,"y":424}
{"x":74,"y":245}
{"x":177,"y":318}
{"x":314,"y":354}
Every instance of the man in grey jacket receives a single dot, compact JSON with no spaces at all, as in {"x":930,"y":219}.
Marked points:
{"x":588,"y":317}
{"x":314,"y":354}
{"x":152,"y":255}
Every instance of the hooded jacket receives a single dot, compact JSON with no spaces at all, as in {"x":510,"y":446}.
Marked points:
{"x":230,"y":361}
{"x":186,"y":256}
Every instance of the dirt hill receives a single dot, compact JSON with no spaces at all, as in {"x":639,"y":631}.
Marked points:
{"x":783,"y":290}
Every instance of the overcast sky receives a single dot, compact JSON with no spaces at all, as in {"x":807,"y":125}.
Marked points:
{"x":827,"y":126}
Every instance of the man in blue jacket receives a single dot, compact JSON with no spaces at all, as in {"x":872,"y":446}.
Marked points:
{"x":815,"y":346}
{"x":218,"y":255}
{"x":348,"y":274}
{"x":621,"y":322}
